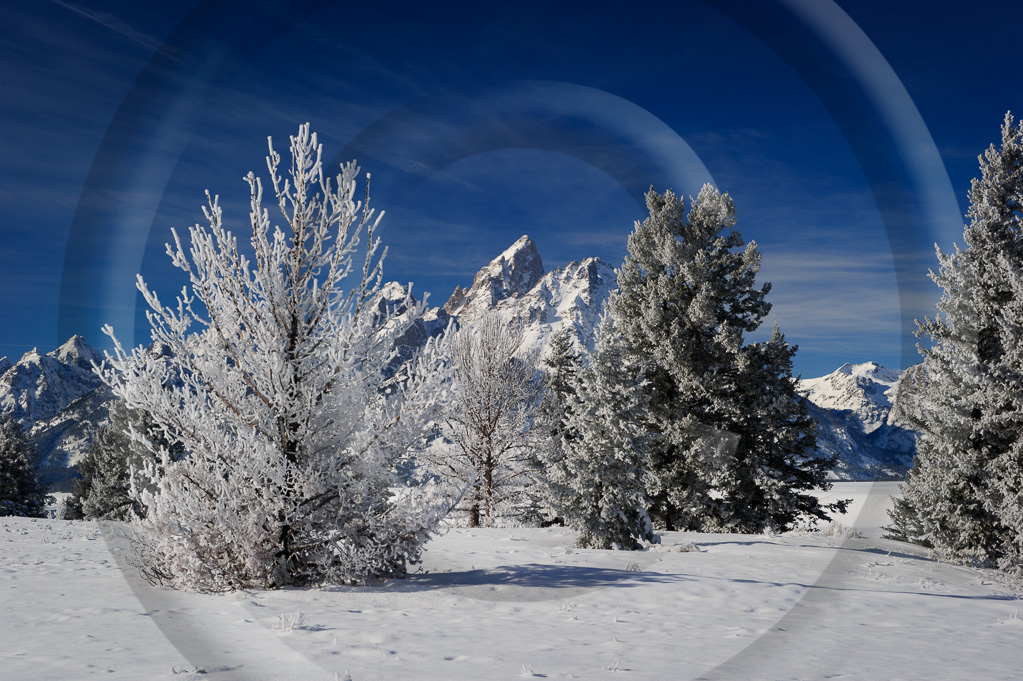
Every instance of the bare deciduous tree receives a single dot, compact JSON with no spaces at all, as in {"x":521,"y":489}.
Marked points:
{"x":491,"y":418}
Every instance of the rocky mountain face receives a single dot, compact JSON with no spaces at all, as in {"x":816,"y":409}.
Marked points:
{"x":59,"y":402}
{"x":861,"y":411}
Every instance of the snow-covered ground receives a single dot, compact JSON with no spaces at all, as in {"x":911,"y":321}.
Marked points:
{"x":514,"y":603}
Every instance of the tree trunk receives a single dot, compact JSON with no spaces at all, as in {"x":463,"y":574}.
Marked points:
{"x":488,"y":487}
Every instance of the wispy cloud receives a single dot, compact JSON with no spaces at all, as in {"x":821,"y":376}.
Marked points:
{"x":830,"y":301}
{"x":114,"y":24}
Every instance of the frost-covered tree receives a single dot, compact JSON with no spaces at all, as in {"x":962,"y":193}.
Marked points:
{"x":21,"y":491}
{"x":963,"y":495}
{"x":687,"y":296}
{"x":601,"y":477}
{"x":272,"y":376}
{"x":490,"y":420}
{"x":560,"y":371}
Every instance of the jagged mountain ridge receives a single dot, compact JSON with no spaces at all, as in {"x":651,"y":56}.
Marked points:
{"x":40,"y":385}
{"x":58,"y":401}
{"x":516,"y":287}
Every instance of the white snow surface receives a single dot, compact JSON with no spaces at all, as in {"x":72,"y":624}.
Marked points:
{"x":512,"y":603}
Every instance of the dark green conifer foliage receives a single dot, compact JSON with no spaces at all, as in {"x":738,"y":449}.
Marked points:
{"x":21,"y":491}
{"x":560,"y":370}
{"x":103,"y":491}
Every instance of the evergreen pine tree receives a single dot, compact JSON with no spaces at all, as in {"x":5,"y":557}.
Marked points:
{"x":560,"y":371}
{"x":687,"y":295}
{"x":1004,"y":495}
{"x":603,"y":473}
{"x":21,"y":491}
{"x":766,"y":483}
{"x":963,"y":494}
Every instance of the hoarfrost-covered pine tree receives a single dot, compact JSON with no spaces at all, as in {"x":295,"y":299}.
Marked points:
{"x":21,"y":491}
{"x":687,"y":295}
{"x":560,"y":371}
{"x":272,"y":376}
{"x":767,"y":483}
{"x":603,"y":473}
{"x":964,"y":494}
{"x":489,"y":422}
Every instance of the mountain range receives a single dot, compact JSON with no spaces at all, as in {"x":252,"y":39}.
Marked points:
{"x":58,"y":401}
{"x":863,"y":409}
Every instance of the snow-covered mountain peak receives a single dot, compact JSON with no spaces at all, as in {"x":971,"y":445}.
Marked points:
{"x":58,"y":400}
{"x":510,"y":275}
{"x":32,"y":355}
{"x":854,"y":406}
{"x":863,"y":389}
{"x":77,"y":353}
{"x":523,"y":247}
{"x":456,"y":301}
{"x":392,"y":290}
{"x":567,"y":297}
{"x":40,"y":385}
{"x":5,"y":364}
{"x":515,"y":286}
{"x":870,"y":371}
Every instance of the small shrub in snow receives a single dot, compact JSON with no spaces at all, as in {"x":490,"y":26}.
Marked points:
{"x":836,"y":529}
{"x":287,"y":623}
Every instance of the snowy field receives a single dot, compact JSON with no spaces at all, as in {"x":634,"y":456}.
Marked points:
{"x":520,"y":603}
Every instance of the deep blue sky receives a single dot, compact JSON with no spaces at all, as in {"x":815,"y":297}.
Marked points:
{"x":846,"y":132}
